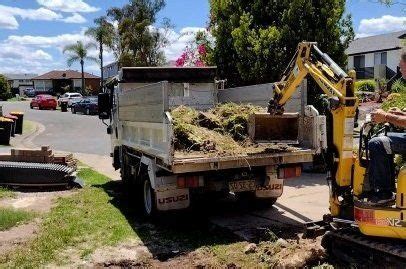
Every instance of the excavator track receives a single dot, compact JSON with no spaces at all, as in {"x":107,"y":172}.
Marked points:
{"x":35,"y":174}
{"x":350,"y":246}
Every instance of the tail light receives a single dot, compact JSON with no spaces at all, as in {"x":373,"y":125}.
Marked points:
{"x":186,"y":181}
{"x":364,"y":215}
{"x":290,"y":172}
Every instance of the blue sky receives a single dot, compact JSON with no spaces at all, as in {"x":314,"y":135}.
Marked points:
{"x":33,"y":32}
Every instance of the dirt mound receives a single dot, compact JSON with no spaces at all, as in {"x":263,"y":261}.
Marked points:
{"x":222,"y":130}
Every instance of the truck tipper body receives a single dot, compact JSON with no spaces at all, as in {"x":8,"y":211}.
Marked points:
{"x":141,"y":129}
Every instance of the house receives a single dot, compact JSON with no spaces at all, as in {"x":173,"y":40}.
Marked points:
{"x":110,"y":70}
{"x":57,"y":82}
{"x":20,"y":82}
{"x":376,"y":56}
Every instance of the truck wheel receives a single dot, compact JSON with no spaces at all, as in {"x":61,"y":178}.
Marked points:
{"x":73,"y":110}
{"x":148,"y":199}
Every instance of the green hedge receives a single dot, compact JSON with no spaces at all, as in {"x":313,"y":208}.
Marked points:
{"x":365,"y":85}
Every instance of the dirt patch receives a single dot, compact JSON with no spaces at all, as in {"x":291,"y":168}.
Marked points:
{"x":41,"y":202}
{"x":18,"y":235}
{"x":300,"y":253}
{"x":201,"y":258}
{"x":130,"y":253}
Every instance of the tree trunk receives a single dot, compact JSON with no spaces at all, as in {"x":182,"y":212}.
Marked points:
{"x":82,"y":63}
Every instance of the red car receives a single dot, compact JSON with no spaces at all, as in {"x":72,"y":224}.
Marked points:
{"x":44,"y":101}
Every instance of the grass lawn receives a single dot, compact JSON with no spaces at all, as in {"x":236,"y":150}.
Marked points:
{"x":85,"y":220}
{"x":97,"y":216}
{"x":11,"y":217}
{"x":15,"y":99}
{"x":6,"y":193}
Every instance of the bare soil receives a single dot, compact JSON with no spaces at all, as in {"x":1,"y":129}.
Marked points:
{"x":18,"y":235}
{"x":39,"y":202}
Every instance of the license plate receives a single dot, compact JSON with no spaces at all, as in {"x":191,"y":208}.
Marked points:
{"x":243,"y":185}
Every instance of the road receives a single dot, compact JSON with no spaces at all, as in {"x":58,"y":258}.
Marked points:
{"x":66,"y":131}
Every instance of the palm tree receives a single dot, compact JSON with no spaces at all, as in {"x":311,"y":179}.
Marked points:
{"x":79,"y":53}
{"x":104,"y":34}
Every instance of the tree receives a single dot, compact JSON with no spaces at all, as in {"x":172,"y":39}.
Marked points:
{"x":5,"y":91}
{"x":256,"y":39}
{"x":79,"y":52}
{"x":103,"y":33}
{"x":138,"y":42}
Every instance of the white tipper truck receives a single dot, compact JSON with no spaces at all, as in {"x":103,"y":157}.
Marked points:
{"x":138,"y":106}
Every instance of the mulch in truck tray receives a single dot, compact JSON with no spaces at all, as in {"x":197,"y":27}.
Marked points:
{"x":221,"y":131}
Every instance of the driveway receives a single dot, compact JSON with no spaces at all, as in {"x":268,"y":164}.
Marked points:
{"x":66,"y":131}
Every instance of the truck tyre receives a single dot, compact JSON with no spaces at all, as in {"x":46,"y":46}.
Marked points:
{"x":73,"y":110}
{"x":148,"y":196}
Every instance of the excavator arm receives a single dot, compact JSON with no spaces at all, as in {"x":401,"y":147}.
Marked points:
{"x":309,"y":60}
{"x":339,"y":88}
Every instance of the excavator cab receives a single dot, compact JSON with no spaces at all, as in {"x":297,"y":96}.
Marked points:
{"x":384,"y":221}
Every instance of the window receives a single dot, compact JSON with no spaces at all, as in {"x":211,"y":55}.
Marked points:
{"x":381,"y":58}
{"x":359,"y":61}
{"x":384,"y":58}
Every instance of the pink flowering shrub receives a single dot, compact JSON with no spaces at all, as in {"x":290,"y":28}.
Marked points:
{"x":196,"y":53}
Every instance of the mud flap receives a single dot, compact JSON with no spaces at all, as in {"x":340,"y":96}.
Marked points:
{"x":273,"y":189}
{"x":172,"y":199}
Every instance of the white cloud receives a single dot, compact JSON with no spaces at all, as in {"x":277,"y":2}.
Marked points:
{"x":58,"y":41}
{"x":68,"y":6}
{"x":75,"y":18}
{"x":22,"y":59}
{"x":384,"y":24}
{"x":29,"y":53}
{"x":7,"y":21}
{"x":31,"y":14}
{"x":8,"y":16}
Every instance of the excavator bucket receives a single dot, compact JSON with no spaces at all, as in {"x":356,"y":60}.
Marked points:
{"x":266,"y":128}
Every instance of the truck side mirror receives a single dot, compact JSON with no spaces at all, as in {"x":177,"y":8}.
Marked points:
{"x":104,"y":106}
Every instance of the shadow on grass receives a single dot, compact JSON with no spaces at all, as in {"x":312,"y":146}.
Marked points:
{"x":170,"y":234}
{"x":178,"y":233}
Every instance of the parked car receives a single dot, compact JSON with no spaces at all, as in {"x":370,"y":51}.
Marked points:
{"x":70,"y":97}
{"x":30,"y":92}
{"x":44,"y":101}
{"x":87,"y":106}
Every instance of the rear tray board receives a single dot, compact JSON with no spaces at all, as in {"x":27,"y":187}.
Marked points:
{"x":201,"y":163}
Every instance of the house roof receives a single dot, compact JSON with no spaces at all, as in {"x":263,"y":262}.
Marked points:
{"x":383,"y":42}
{"x":20,"y":76}
{"x":63,"y":74}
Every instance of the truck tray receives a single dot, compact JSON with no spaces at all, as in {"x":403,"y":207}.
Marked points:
{"x":189,"y":164}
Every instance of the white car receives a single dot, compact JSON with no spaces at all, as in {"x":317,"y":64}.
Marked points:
{"x":70,"y":97}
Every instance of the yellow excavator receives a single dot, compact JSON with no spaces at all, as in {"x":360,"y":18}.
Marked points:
{"x":356,"y":229}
